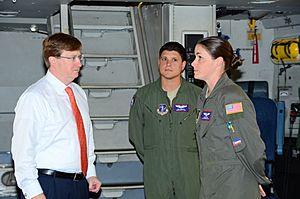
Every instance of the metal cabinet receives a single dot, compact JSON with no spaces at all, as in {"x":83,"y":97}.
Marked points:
{"x":21,"y":65}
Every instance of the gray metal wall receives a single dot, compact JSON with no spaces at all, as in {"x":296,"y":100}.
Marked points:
{"x":21,"y":65}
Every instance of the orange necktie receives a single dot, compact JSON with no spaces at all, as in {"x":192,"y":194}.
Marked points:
{"x":80,"y":129}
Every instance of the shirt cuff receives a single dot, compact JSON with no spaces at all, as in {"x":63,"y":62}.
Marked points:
{"x":32,"y":190}
{"x":91,"y":171}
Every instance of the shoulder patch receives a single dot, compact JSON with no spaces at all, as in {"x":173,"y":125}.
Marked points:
{"x":234,"y":108}
{"x":162,"y":109}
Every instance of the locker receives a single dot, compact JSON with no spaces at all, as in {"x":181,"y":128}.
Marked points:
{"x":109,"y":102}
{"x":111,"y":134}
{"x":6,"y":124}
{"x":121,"y":174}
{"x":121,"y":71}
{"x":9,"y":98}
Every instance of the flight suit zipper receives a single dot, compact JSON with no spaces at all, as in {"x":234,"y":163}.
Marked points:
{"x":173,"y":189}
{"x":186,"y":117}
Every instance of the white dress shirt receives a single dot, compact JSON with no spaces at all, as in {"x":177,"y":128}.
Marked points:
{"x":45,"y":133}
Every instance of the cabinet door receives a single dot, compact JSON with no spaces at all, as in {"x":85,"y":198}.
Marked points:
{"x":6,"y":132}
{"x":111,"y":134}
{"x":116,"y":71}
{"x":109,"y":102}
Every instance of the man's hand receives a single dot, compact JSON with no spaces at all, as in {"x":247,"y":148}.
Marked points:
{"x":40,"y":196}
{"x":94,"y":184}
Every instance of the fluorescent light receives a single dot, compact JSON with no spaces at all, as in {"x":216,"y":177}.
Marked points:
{"x":8,"y":13}
{"x":34,"y":28}
{"x":263,"y":1}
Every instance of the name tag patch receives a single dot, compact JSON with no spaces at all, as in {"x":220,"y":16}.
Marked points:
{"x":181,"y":107}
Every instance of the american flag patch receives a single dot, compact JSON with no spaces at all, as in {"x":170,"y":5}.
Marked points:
{"x":236,"y":141}
{"x":234,"y":108}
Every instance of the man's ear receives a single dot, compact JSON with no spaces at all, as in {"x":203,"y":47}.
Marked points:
{"x":183,"y":65}
{"x":52,"y":60}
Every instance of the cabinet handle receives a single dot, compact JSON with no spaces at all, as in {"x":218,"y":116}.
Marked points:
{"x":100,"y":94}
{"x":104,"y":126}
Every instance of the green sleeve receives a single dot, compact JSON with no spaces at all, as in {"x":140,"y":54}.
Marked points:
{"x":251,"y":151}
{"x":253,"y":156}
{"x":136,"y":126}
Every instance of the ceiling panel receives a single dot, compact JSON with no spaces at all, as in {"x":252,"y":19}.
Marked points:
{"x":12,"y":11}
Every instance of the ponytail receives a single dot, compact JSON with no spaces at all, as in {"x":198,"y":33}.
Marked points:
{"x":236,"y":62}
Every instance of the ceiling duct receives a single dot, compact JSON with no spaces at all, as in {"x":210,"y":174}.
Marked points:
{"x":224,"y":12}
{"x":258,"y":14}
{"x":280,"y":22}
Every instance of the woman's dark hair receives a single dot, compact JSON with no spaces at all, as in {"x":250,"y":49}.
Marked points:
{"x":217,"y":47}
{"x":174,"y":46}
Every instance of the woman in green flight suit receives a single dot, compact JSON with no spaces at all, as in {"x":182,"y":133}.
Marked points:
{"x":232,"y":154}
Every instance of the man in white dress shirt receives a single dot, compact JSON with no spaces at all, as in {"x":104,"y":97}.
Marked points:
{"x":45,"y":143}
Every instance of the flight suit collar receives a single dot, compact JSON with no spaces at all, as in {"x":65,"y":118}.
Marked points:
{"x":223,"y":81}
{"x":181,"y":90}
{"x":159,"y":86}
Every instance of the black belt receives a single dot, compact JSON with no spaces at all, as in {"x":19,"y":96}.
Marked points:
{"x":59,"y":174}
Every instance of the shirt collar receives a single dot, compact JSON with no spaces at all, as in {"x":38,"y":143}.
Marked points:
{"x":56,"y":83}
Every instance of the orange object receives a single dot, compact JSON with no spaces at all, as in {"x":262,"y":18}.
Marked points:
{"x":80,"y":129}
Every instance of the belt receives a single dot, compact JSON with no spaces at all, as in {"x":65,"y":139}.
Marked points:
{"x":59,"y":174}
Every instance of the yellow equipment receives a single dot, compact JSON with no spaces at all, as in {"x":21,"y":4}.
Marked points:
{"x":285,"y":50}
{"x":252,"y":23}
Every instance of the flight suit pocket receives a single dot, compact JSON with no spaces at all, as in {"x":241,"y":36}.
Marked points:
{"x":217,"y":142}
{"x":153,"y":129}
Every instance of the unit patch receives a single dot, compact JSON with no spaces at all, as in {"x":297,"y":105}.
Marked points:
{"x":234,"y":108}
{"x":162,"y":109}
{"x":205,"y":115}
{"x":181,"y":107}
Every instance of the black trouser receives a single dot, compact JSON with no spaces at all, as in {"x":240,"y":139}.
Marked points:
{"x":63,"y":188}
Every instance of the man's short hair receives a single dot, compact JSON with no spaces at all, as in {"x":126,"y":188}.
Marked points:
{"x":56,"y":43}
{"x":174,"y":46}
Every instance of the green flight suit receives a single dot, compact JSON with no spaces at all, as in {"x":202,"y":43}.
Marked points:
{"x":165,"y":140}
{"x":232,"y":153}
